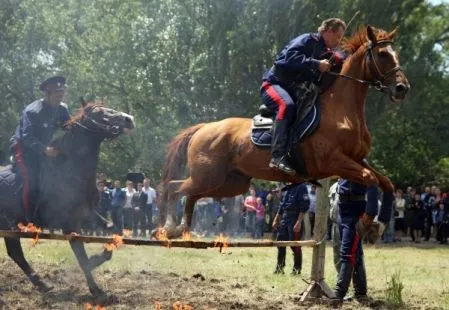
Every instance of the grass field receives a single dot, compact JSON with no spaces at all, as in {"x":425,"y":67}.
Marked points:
{"x":205,"y":279}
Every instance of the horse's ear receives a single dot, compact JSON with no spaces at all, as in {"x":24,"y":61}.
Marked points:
{"x":371,"y":35}
{"x":83,"y":102}
{"x":393,"y":33}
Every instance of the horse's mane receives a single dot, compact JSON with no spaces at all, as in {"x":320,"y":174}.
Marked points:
{"x":351,"y":44}
{"x":80,"y":112}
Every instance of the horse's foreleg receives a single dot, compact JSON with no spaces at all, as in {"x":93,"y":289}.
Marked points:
{"x":99,"y":259}
{"x":386,"y":207}
{"x":345,"y":167}
{"x":384,"y":182}
{"x":86,"y":266}
{"x":14,"y":249}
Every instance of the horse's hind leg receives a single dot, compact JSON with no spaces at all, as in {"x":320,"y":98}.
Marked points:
{"x":14,"y":249}
{"x":235,"y":183}
{"x":80,"y":252}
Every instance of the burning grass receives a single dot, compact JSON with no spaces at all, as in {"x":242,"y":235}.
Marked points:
{"x":30,"y":228}
{"x":221,"y":242}
{"x":116,"y":242}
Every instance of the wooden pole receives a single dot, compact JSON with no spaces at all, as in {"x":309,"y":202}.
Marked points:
{"x":318,"y":287}
{"x":195,"y":244}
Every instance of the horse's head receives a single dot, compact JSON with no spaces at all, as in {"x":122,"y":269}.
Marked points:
{"x":104,"y":122}
{"x":382,"y":67}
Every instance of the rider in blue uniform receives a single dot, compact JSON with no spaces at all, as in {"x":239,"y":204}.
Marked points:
{"x":288,"y":222}
{"x":30,"y":143}
{"x":298,"y":63}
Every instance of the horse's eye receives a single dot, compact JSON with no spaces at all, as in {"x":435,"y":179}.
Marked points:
{"x":383,"y":54}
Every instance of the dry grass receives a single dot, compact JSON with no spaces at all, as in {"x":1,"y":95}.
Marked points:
{"x":206,"y":279}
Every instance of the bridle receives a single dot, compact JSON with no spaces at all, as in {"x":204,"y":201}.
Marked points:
{"x":93,"y":126}
{"x":379,"y":80}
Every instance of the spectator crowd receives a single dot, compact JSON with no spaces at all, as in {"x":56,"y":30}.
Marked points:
{"x":417,"y":216}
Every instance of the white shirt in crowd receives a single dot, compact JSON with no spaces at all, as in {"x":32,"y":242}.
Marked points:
{"x":151,"y":193}
{"x":129,"y":197}
{"x":312,"y":198}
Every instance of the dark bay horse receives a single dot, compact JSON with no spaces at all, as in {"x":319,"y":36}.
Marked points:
{"x":68,"y":192}
{"x":221,"y":159}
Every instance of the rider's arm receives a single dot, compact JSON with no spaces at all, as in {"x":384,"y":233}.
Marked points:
{"x":29,"y":127}
{"x":299,"y":56}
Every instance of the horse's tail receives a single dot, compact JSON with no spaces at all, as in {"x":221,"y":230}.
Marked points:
{"x":176,"y":157}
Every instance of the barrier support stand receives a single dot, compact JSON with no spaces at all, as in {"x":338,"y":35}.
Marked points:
{"x":318,"y":287}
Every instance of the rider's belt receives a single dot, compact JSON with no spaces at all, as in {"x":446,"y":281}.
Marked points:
{"x":351,"y":197}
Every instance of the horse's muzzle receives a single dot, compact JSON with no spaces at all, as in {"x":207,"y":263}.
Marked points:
{"x":398,"y":91}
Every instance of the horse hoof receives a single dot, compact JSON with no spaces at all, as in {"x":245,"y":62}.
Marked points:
{"x":44,"y":288}
{"x":106,"y":299}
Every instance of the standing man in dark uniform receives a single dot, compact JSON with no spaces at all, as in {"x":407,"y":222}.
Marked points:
{"x":288,"y":222}
{"x":297,"y":64}
{"x":352,"y":204}
{"x":30,"y":144}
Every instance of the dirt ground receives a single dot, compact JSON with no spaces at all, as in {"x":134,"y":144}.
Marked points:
{"x":145,"y":289}
{"x":184,"y":279}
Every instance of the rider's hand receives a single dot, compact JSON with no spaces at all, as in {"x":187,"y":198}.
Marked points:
{"x":51,"y":151}
{"x":324,"y":65}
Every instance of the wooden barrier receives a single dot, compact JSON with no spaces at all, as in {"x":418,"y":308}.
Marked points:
{"x":195,"y":244}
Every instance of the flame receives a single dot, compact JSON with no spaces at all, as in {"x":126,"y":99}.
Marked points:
{"x":179,"y":306}
{"x":88,"y":306}
{"x":157,"y":306}
{"x":161,"y":234}
{"x":126,"y":233}
{"x":116,"y":242}
{"x":30,"y":228}
{"x":221,"y":242}
{"x":186,"y":236}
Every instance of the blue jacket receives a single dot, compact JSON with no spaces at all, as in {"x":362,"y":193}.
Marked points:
{"x":294,"y":200}
{"x":37,"y":125}
{"x":118,"y":198}
{"x":298,"y":61}
{"x":105,"y":199}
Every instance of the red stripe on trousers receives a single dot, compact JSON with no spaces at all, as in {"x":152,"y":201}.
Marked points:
{"x":18,"y":152}
{"x":352,"y":259}
{"x":269,"y":89}
{"x":296,"y":237}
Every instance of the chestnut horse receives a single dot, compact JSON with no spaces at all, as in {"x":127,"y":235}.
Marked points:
{"x":221,"y":159}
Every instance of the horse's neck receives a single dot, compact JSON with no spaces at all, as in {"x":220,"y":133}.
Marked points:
{"x":81,"y":153}
{"x":349,"y":96}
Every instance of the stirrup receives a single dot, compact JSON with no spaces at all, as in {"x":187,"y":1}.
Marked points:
{"x":279,"y":164}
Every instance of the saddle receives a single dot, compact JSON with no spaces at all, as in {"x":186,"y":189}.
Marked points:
{"x":10,"y":185}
